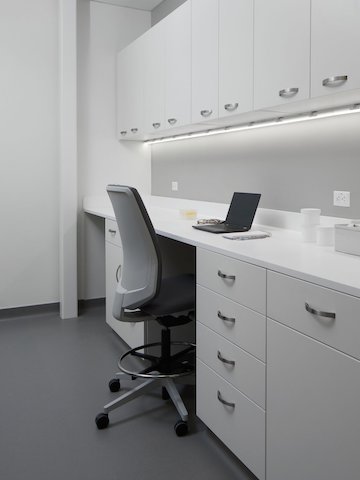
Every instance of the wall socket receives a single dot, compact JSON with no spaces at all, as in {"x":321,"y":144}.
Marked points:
{"x":341,"y":199}
{"x":174,"y":186}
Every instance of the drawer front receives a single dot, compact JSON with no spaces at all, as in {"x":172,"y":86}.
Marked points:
{"x":236,"y":323}
{"x":287,"y":299}
{"x":241,"y":427}
{"x":240,"y":281}
{"x":242,"y":370}
{"x":112,"y":232}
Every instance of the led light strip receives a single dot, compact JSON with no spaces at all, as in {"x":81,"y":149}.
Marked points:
{"x":303,"y":117}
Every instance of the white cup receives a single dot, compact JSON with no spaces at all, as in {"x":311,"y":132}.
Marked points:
{"x":324,"y":235}
{"x":310,"y":218}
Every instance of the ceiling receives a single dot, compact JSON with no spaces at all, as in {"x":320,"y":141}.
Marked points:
{"x":138,"y":4}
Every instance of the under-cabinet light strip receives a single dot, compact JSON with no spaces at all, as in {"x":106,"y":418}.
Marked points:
{"x":303,"y":117}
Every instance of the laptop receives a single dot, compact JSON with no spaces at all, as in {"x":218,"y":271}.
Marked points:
{"x":240,"y":216}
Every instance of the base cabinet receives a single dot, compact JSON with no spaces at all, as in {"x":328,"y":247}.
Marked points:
{"x":313,"y":422}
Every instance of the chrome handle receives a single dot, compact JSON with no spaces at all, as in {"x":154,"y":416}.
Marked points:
{"x":224,"y":275}
{"x":319,"y":313}
{"x":134,"y":130}
{"x":206,"y":113}
{"x":288,"y":92}
{"x":228,"y":404}
{"x":123,"y":133}
{"x":225,"y":319}
{"x":224,"y":360}
{"x":113,"y":232}
{"x":156,"y":125}
{"x":117,"y":273}
{"x":172,"y":121}
{"x":335,"y":81}
{"x":231,"y":107}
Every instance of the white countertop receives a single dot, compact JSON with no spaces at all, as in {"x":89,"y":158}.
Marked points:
{"x":283,"y":252}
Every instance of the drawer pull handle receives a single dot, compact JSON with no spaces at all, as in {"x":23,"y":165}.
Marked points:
{"x":206,"y":113}
{"x":320,"y":313}
{"x":113,"y":232}
{"x":225,"y":319}
{"x":117,"y":273}
{"x":134,"y":130}
{"x":224,"y":402}
{"x":224,"y":275}
{"x":172,"y":121}
{"x":156,"y":125}
{"x":231,"y":107}
{"x":288,"y":92}
{"x":224,"y":360}
{"x":334,"y":81}
{"x":123,"y":133}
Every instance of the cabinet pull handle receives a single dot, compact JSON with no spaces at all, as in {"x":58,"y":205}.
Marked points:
{"x":224,"y":360}
{"x":156,"y":125}
{"x":225,"y":319}
{"x":224,"y":275}
{"x":172,"y":121}
{"x":113,"y":232}
{"x":224,"y":402}
{"x":288,"y":92}
{"x":123,"y":133}
{"x":231,"y":107}
{"x":335,"y":81}
{"x":117,"y":273}
{"x":206,"y":113}
{"x":134,"y":130}
{"x":319,"y":313}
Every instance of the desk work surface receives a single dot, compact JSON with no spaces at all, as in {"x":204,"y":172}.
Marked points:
{"x":283,"y":252}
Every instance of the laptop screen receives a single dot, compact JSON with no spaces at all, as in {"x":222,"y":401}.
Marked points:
{"x":242,"y":209}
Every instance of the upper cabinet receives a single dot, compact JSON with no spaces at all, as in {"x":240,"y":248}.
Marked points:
{"x":235,"y":57}
{"x":177,"y":43}
{"x":335,"y":42}
{"x":205,"y":63}
{"x":281,"y":52}
{"x":154,"y":78}
{"x":130,"y":92}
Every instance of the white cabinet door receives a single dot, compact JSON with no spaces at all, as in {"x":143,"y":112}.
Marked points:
{"x":313,"y":422}
{"x":131,"y":333}
{"x":235,"y":57}
{"x":154,"y":78}
{"x":130,"y":77}
{"x":205,"y":62}
{"x":335,"y":42}
{"x":281,"y":52}
{"x":178,"y":67}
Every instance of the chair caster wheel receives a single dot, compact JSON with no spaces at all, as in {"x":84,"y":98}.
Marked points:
{"x":102,"y":420}
{"x":114,"y":385}
{"x":181,"y":428}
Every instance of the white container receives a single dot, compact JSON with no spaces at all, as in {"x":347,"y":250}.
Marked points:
{"x":347,"y":238}
{"x":310,"y":219}
{"x":325,"y":235}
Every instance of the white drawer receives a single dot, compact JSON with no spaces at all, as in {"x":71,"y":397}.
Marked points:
{"x":239,"y":281}
{"x":237,"y":323}
{"x":287,"y":299}
{"x":112,"y":232}
{"x":245,"y":372}
{"x":241,"y":428}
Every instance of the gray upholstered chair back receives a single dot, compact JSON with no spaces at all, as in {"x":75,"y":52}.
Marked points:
{"x":141,"y":270}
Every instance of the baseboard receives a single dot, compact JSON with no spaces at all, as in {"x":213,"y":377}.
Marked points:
{"x":8,"y":313}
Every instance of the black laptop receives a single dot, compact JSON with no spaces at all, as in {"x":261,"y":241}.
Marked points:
{"x":239,"y":217}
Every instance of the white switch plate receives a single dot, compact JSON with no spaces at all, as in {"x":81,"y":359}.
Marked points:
{"x":174,"y":186}
{"x":341,"y":199}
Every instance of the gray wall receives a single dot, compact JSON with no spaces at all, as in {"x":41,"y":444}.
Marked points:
{"x":163,"y":9}
{"x":293,"y":166}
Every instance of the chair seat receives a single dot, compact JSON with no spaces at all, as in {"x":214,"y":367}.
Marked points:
{"x":177,"y":294}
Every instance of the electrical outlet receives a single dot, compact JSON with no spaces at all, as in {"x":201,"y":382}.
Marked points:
{"x":174,"y":186}
{"x":341,"y":199}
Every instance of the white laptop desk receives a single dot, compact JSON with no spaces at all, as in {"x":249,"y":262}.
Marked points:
{"x":269,"y":310}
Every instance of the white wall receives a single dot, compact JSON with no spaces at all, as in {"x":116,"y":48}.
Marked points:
{"x":103,"y":30}
{"x":28,"y":152}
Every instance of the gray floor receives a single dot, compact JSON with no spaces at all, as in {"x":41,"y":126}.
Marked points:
{"x":54,"y":377}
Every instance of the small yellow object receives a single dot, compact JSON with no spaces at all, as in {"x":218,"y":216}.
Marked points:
{"x":188,"y":214}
